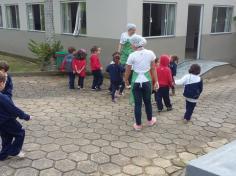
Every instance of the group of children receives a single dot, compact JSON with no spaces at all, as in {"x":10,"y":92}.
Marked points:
{"x":11,"y":131}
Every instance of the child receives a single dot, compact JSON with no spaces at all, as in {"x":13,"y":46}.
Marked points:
{"x":4,"y":67}
{"x":10,"y":128}
{"x":193,"y":86}
{"x":165,"y":82}
{"x":67,"y":66}
{"x":96,"y":68}
{"x":79,"y":67}
{"x":116,"y":72}
{"x":173,"y":66}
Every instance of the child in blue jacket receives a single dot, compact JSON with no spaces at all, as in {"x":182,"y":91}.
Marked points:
{"x":116,"y":72}
{"x":193,"y":86}
{"x":4,"y":67}
{"x":12,"y":133}
{"x":173,"y":67}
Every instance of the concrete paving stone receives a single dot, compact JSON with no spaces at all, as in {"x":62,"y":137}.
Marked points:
{"x":42,"y":164}
{"x":90,"y":149}
{"x":50,"y":172}
{"x":120,"y":160}
{"x":132,"y":170}
{"x":100,"y":158}
{"x":100,"y":142}
{"x":163,"y":163}
{"x":20,"y":163}
{"x":110,"y":169}
{"x":6,"y":171}
{"x":110,"y":150}
{"x":50,"y":147}
{"x":119,"y":144}
{"x":65,"y":165}
{"x":36,"y":154}
{"x":87,"y":167}
{"x":57,"y":155}
{"x":141,"y":161}
{"x":78,"y":156}
{"x":74,"y":173}
{"x":31,"y":147}
{"x":154,"y":170}
{"x":186,"y":157}
{"x":26,"y":172}
{"x":70,"y":148}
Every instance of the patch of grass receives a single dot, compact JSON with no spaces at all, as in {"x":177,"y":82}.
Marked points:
{"x":19,"y":64}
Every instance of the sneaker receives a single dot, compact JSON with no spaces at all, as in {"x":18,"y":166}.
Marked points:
{"x":137,"y":127}
{"x":121,"y":94}
{"x":21,"y":154}
{"x":169,"y":109}
{"x":98,"y":89}
{"x":152,"y":122}
{"x":159,"y":110}
{"x":78,"y":87}
{"x":186,"y":121}
{"x":114,"y":100}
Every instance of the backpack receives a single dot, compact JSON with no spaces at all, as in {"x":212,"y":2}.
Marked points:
{"x":68,"y":63}
{"x":193,"y":90}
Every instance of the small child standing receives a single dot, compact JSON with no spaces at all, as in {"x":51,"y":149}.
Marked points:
{"x":79,"y":67}
{"x":116,"y":72}
{"x":12,"y":133}
{"x":96,"y":68}
{"x":4,"y":67}
{"x":67,"y":67}
{"x":173,"y":66}
{"x":165,"y":83}
{"x":193,"y":86}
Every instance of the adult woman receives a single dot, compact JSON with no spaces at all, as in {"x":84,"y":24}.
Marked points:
{"x":142,"y":61}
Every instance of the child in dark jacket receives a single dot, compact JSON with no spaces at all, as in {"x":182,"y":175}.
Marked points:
{"x":4,"y":67}
{"x":67,"y":67}
{"x":79,"y":67}
{"x":193,"y":86}
{"x":96,"y":68}
{"x":165,"y":83}
{"x":12,"y":133}
{"x":116,"y":72}
{"x":173,"y":67}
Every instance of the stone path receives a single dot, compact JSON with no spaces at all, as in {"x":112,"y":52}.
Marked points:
{"x":82,"y":133}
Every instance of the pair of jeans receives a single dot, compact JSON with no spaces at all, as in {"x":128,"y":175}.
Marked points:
{"x":71,"y":80}
{"x":117,"y":85}
{"x":81,"y":82}
{"x":142,"y":93}
{"x":13,"y":136}
{"x":163,"y":94}
{"x":190,"y":106}
{"x":97,"y":79}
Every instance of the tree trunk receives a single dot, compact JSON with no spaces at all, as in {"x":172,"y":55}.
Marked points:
{"x":49,"y":24}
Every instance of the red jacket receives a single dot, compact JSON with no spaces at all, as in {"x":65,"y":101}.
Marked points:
{"x":95,"y":62}
{"x":164,"y":73}
{"x":77,"y":65}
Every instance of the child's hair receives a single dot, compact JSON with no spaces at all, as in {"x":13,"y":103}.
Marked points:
{"x":4,"y":66}
{"x":156,"y":60}
{"x":71,"y":50}
{"x":115,"y":53}
{"x":175,"y":58}
{"x":94,"y":49}
{"x":195,"y":69}
{"x":3,"y":77}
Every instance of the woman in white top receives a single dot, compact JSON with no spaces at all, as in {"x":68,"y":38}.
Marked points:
{"x":142,"y":61}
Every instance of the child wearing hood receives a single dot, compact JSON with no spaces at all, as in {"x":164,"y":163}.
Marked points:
{"x":165,"y":82}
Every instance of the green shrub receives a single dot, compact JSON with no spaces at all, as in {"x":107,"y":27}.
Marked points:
{"x":44,"y":51}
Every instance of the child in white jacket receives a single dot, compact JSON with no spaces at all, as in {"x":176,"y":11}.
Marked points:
{"x":193,"y":86}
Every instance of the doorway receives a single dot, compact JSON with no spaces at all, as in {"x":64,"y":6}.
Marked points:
{"x":194,"y":32}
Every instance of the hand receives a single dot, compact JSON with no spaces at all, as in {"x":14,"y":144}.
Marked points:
{"x":101,"y":68}
{"x":156,"y":86}
{"x":28,"y":117}
{"x":127,"y":83}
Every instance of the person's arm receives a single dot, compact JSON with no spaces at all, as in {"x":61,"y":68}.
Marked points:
{"x":14,"y":111}
{"x":127,"y":74}
{"x":120,"y":47}
{"x":201,"y":86}
{"x":181,"y":81}
{"x":154,"y":75}
{"x":9,"y":87}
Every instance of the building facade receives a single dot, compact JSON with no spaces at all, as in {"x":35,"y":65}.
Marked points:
{"x":196,"y":29}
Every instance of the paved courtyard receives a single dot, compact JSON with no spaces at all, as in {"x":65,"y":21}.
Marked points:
{"x":76,"y":133}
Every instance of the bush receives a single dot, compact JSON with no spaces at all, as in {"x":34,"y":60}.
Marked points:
{"x":44,"y":51}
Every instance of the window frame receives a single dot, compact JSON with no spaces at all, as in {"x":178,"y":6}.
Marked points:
{"x":1,"y":7}
{"x":221,"y":33}
{"x":10,"y":28}
{"x":34,"y":3}
{"x":61,"y":7}
{"x":163,"y":3}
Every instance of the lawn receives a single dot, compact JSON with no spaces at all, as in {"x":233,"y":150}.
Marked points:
{"x":19,"y":64}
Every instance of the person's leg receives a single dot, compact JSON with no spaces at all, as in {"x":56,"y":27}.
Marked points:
{"x":6,"y":143}
{"x":100,"y":79}
{"x":113,"y":90}
{"x":166,"y":97}
{"x":189,"y":110}
{"x":147,"y":92}
{"x":82,"y":82}
{"x":137,"y":91}
{"x":122,"y":87}
{"x":94,"y":79}
{"x":72,"y":80}
{"x":78,"y":81}
{"x":158,"y":98}
{"x":130,"y":76}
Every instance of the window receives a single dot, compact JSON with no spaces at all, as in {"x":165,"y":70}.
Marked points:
{"x":222,"y":19}
{"x":1,"y":22}
{"x":36,"y":20}
{"x":74,"y":18}
{"x":158,"y":19}
{"x":12,"y":13}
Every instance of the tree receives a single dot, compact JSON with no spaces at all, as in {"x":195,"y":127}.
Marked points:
{"x":49,"y":24}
